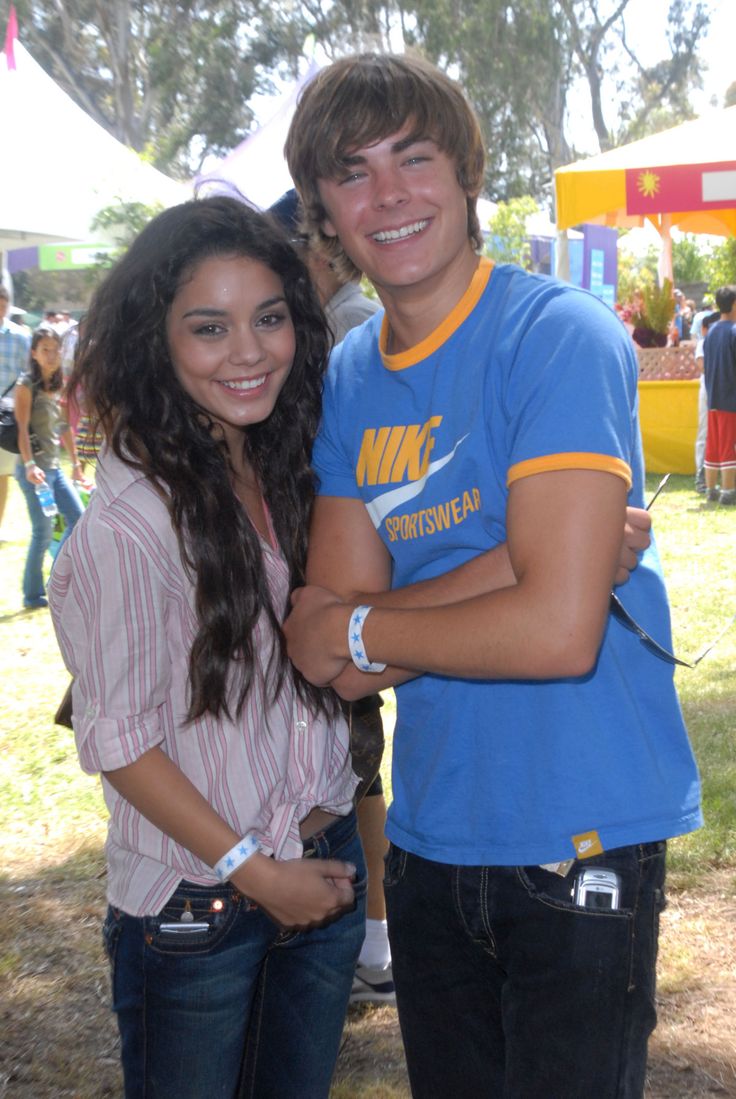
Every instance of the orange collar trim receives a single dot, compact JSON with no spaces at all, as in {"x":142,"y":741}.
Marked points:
{"x":445,"y":329}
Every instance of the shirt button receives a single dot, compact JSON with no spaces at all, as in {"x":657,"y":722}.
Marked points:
{"x":301,"y":726}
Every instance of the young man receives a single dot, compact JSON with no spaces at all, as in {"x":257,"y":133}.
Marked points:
{"x":719,"y":370}
{"x":478,"y":446}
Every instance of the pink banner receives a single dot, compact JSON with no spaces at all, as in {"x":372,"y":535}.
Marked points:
{"x":674,"y":189}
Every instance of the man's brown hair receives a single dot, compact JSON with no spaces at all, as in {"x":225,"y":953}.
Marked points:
{"x":361,"y":100}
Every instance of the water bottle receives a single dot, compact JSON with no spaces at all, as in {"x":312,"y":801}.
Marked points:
{"x":46,"y":499}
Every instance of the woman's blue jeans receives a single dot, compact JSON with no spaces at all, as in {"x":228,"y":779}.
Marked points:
{"x":507,"y":988}
{"x":42,"y":528}
{"x":239,"y":1008}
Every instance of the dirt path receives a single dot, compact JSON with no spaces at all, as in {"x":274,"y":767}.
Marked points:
{"x":59,"y":1040}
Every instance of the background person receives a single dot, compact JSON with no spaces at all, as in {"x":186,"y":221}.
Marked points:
{"x":705,"y":311}
{"x":234,"y":922}
{"x":345,"y":308}
{"x":702,"y":435}
{"x":719,"y":369}
{"x":41,"y":429}
{"x":15,"y":343}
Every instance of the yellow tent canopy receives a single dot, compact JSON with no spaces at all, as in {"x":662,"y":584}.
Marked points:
{"x":685,"y":176}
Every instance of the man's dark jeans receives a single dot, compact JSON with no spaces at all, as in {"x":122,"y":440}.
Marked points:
{"x":507,"y":989}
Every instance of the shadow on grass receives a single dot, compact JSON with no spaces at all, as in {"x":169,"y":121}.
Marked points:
{"x":59,"y":1036}
{"x":687,"y":1073}
{"x":22,"y":612}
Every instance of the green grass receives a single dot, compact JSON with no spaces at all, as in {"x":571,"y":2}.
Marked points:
{"x":53,"y":816}
{"x":696,"y":543}
{"x":49,"y":810}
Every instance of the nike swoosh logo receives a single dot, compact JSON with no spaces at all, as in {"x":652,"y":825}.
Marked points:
{"x":382,"y":505}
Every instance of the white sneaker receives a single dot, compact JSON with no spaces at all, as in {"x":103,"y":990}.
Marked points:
{"x":373,"y":986}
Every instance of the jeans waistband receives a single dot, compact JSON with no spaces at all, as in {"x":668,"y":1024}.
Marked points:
{"x":326,"y":843}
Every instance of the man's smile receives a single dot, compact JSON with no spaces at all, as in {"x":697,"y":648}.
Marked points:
{"x":385,"y":236}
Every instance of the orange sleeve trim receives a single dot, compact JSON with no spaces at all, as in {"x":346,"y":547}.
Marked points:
{"x":549,"y":463}
{"x":445,"y":329}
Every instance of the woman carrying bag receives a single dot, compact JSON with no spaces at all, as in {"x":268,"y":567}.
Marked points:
{"x":38,"y":413}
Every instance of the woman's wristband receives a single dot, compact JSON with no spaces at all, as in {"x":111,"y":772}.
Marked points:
{"x":355,"y":642}
{"x":233,"y":859}
{"x":30,"y":463}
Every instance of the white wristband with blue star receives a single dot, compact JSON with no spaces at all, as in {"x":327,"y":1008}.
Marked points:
{"x":355,"y":642}
{"x":236,"y":856}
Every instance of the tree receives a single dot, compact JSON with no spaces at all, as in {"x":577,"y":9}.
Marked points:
{"x":42,"y":290}
{"x":635,"y":272}
{"x":662,"y":91}
{"x":508,"y":241}
{"x":589,"y":32}
{"x":170,"y":78}
{"x":689,"y":262}
{"x":721,"y":265}
{"x":123,"y":222}
{"x":175,"y":78}
{"x":517,"y":63}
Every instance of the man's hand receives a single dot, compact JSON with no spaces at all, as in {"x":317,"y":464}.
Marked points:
{"x":636,"y":540}
{"x":316,"y":634}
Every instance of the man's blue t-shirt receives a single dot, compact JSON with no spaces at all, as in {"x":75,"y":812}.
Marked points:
{"x":526,"y":375}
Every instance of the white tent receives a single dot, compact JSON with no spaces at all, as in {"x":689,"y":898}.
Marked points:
{"x":60,"y":168}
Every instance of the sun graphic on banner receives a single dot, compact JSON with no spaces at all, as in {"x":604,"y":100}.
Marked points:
{"x":648,"y":184}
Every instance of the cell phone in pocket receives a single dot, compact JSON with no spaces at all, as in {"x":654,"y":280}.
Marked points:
{"x":180,"y":928}
{"x":596,"y":887}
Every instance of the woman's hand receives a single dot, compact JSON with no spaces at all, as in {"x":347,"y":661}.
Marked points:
{"x":298,"y":893}
{"x":35,"y":475}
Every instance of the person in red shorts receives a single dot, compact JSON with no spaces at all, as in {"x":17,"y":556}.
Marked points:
{"x":720,"y":383}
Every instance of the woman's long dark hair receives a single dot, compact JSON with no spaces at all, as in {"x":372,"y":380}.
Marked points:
{"x":56,"y":380}
{"x":150,"y":421}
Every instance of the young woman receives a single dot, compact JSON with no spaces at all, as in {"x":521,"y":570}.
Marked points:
{"x":235,"y":876}
{"x":41,"y":427}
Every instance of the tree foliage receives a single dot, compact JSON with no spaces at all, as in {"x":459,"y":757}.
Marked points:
{"x":122,"y":222}
{"x":721,"y":265}
{"x":518,"y":62}
{"x":513,"y":62}
{"x":689,"y":261}
{"x":170,"y":78}
{"x":660,"y":94}
{"x":635,"y":272}
{"x":508,"y":240}
{"x":42,"y":290}
{"x":175,"y":78}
